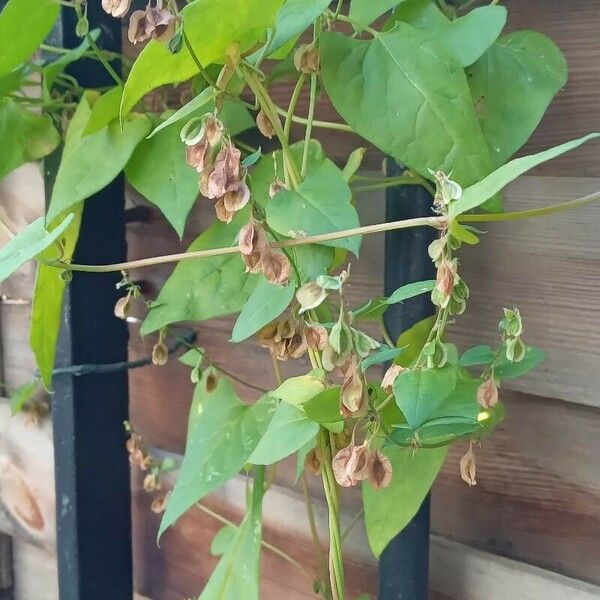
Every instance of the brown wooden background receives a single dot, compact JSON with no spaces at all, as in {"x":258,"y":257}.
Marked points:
{"x":537,"y":501}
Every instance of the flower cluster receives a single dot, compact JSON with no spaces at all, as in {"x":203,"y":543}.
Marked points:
{"x":450,"y":292}
{"x":356,"y":463}
{"x":291,"y":338}
{"x":217,"y":160}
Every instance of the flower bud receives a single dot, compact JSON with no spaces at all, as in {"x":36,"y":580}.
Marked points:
{"x":468,"y":467}
{"x":307,"y":59}
{"x":380,"y":470}
{"x":264,"y":124}
{"x":487,"y":393}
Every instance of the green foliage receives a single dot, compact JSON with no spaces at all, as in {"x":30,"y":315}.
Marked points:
{"x":212,"y":27}
{"x":478,"y":193}
{"x":298,"y":390}
{"x":222,"y":433}
{"x":20,"y":396}
{"x":324,"y":408}
{"x":158,"y":170}
{"x":413,"y":340}
{"x":288,"y":431}
{"x":504,"y":369}
{"x":204,"y":288}
{"x":223,"y":540}
{"x":423,"y":14}
{"x":403,"y":73}
{"x":30,"y":242}
{"x":525,"y":65}
{"x":364,"y":12}
{"x":264,"y":305}
{"x":46,"y":309}
{"x":19,"y":39}
{"x":388,"y":511}
{"x":91,"y":162}
{"x":478,"y":355}
{"x":320,"y":204}
{"x":104,"y":110}
{"x":26,"y":136}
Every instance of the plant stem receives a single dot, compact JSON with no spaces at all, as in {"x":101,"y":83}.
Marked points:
{"x":403,"y":180}
{"x":197,"y":62}
{"x":276,"y":369}
{"x":99,"y":54}
{"x":311,"y":117}
{"x":316,"y":123}
{"x":385,"y":333}
{"x":292,"y":107}
{"x":6,"y":229}
{"x":436,"y":222}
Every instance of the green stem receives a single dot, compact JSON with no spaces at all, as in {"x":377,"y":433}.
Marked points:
{"x":100,"y":55}
{"x":292,"y":107}
{"x":196,"y":60}
{"x":392,"y":182}
{"x":311,"y":117}
{"x":385,"y":333}
{"x":355,"y":24}
{"x":316,"y":123}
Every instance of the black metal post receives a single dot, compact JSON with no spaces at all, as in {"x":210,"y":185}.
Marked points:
{"x":404,"y":564}
{"x":92,"y":471}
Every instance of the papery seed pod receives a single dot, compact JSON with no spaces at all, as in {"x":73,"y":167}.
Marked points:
{"x":160,"y":503}
{"x":339,"y":465}
{"x":237,"y":197}
{"x":122,"y":306}
{"x":436,"y":249}
{"x":515,"y":350}
{"x":449,"y":190}
{"x":153,"y":22}
{"x":275,"y":267}
{"x":197,"y":155}
{"x":82,"y":27}
{"x":468,"y":467}
{"x":310,"y":295}
{"x":446,"y":277}
{"x":363,"y":343}
{"x":160,"y":354}
{"x":307,"y":59}
{"x":151,"y":482}
{"x":312,"y":463}
{"x":487,"y":393}
{"x":380,"y":470}
{"x":316,"y":337}
{"x":353,"y":397}
{"x":264,"y":124}
{"x":359,"y":464}
{"x":213,"y":130}
{"x":296,"y":345}
{"x":116,"y":8}
{"x":387,"y":383}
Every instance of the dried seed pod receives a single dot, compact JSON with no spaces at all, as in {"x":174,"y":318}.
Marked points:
{"x":340,"y":467}
{"x":468,"y":467}
{"x":116,"y":8}
{"x":316,"y":337}
{"x":275,"y":267}
{"x":307,"y":59}
{"x":487,"y":393}
{"x":310,"y":295}
{"x":160,"y":503}
{"x":446,"y":277}
{"x":151,"y":482}
{"x":154,"y":22}
{"x":380,"y":470}
{"x":353,"y":395}
{"x":264,"y":124}
{"x":212,"y":380}
{"x":160,"y":354}
{"x":122,"y":306}
{"x":387,"y":383}
{"x":197,"y":155}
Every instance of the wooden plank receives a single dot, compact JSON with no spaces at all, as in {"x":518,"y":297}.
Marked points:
{"x":468,"y":574}
{"x":537,"y":497}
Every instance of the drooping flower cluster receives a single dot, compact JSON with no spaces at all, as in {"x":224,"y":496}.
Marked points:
{"x":450,"y":291}
{"x":260,"y":257}
{"x":218,"y":162}
{"x":355,"y":463}
{"x":291,"y":338}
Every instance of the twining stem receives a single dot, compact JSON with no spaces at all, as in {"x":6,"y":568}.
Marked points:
{"x":336,"y":565}
{"x":266,"y":545}
{"x":316,"y":123}
{"x":392,"y":182}
{"x":436,"y":222}
{"x":6,"y":229}
{"x":385,"y":334}
{"x":292,"y":107}
{"x":309,"y":124}
{"x":100,"y":56}
{"x":196,"y":60}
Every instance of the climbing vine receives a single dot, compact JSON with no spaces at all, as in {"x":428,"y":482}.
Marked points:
{"x":434,"y":85}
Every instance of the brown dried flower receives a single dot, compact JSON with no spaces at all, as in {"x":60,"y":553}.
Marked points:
{"x":264,"y":124}
{"x":154,"y":22}
{"x":122,"y":306}
{"x":211,"y":382}
{"x":307,"y":59}
{"x":353,"y":394}
{"x":116,"y":8}
{"x":446,"y":277}
{"x":151,"y":482}
{"x":468,"y":467}
{"x":487,"y":393}
{"x":160,"y":354}
{"x":380,"y":470}
{"x":160,"y":503}
{"x":197,"y":155}
{"x":285,"y":339}
{"x":387,"y":383}
{"x":316,"y":337}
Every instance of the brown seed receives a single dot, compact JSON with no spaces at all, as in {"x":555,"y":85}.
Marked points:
{"x":264,"y":125}
{"x":487,"y":393}
{"x":468,"y":467}
{"x":380,"y":470}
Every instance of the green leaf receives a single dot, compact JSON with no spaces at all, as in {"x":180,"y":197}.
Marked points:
{"x":51,"y":70}
{"x":289,"y":430}
{"x":388,"y":511}
{"x":211,"y":26}
{"x":104,"y":111}
{"x":24,"y":24}
{"x":301,"y":458}
{"x":223,"y":540}
{"x":420,"y":392}
{"x":478,"y":355}
{"x":353,"y":163}
{"x":237,"y":574}
{"x":384,"y":354}
{"x":477,"y":194}
{"x":265,"y":304}
{"x":423,"y":14}
{"x":292,"y":19}
{"x":222,"y":433}
{"x":204,"y":99}
{"x":89,"y":163}
{"x":504,"y":369}
{"x":413,"y":340}
{"x":13,"y":81}
{"x":158,"y":170}
{"x":30,"y":242}
{"x":26,"y":136}
{"x":461,"y":403}
{"x":403,"y":93}
{"x":365,"y":12}
{"x":320,"y":204}
{"x":21,"y":395}
{"x":525,"y":65}
{"x":312,"y":260}
{"x":325,"y":406}
{"x":46,"y":309}
{"x":298,"y":390}
{"x":204,"y":288}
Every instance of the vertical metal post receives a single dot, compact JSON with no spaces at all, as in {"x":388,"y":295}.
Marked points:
{"x":404,"y":564}
{"x":92,"y":471}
